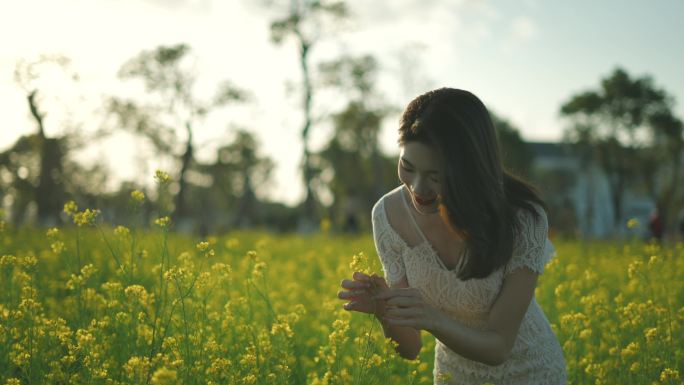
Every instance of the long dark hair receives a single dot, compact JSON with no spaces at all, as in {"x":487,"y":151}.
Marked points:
{"x":479,"y":198}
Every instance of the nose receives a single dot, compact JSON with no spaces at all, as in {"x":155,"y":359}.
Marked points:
{"x":420,"y":188}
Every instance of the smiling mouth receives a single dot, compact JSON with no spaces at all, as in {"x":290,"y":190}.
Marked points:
{"x":424,"y":202}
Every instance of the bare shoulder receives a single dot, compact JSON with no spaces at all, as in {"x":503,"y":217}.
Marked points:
{"x":396,"y":214}
{"x":392,"y":204}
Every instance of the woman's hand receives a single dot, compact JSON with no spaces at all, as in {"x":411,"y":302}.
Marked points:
{"x":406,"y":307}
{"x":359,"y":292}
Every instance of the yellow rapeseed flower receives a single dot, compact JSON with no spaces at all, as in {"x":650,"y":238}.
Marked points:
{"x":52,"y":233}
{"x":57,"y":247}
{"x":374,"y":360}
{"x":137,"y":367}
{"x":654,"y":260}
{"x":630,"y":350}
{"x":164,"y":376}
{"x":162,"y":222}
{"x":86,"y":217}
{"x":585,"y":334}
{"x":632,"y":223}
{"x":249,"y":379}
{"x":70,"y":208}
{"x":28,"y":261}
{"x":137,"y":293}
{"x":175,"y":273}
{"x":634,"y":268}
{"x":137,"y":196}
{"x":162,"y":177}
{"x":669,"y":374}
{"x":122,"y":230}
{"x":360,"y":263}
{"x":8,"y":260}
{"x":282,"y":327}
{"x":259,"y":267}
{"x":123,"y":318}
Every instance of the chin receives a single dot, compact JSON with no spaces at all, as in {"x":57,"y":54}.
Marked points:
{"x":427,"y":209}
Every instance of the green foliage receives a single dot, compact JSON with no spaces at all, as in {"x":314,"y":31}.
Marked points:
{"x":351,"y":165}
{"x":516,"y":155}
{"x":123,"y":306}
{"x":626,"y":126}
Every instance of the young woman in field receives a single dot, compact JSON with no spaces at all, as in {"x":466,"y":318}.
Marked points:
{"x":461,"y":242}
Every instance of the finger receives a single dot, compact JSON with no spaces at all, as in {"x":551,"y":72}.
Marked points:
{"x":349,"y":294}
{"x":352,"y":305}
{"x":359,"y":276}
{"x":378,"y":281}
{"x":354,"y":285}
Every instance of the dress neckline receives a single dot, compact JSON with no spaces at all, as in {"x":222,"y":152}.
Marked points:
{"x":425,"y":240}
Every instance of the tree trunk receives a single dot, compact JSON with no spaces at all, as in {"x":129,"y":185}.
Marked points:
{"x":181,"y":210}
{"x":246,"y":213}
{"x":308,"y":219}
{"x":48,"y":193}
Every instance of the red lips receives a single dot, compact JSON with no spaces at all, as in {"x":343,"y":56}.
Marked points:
{"x":424,"y":201}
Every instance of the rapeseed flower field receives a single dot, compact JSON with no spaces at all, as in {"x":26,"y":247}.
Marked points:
{"x":99,"y":304}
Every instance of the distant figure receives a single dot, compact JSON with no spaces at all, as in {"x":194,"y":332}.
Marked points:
{"x":655,"y":224}
{"x":351,"y":208}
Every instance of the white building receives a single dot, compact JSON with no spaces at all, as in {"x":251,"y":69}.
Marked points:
{"x":565,"y":181}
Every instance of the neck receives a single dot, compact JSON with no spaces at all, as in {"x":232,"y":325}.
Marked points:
{"x":413,"y":205}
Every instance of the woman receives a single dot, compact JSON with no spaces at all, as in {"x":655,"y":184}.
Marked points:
{"x":461,"y":242}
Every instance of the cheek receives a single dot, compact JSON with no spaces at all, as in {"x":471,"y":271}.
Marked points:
{"x":404,"y":177}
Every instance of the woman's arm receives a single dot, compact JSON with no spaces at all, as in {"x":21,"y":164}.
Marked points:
{"x":359,"y":292}
{"x":408,"y":339}
{"x":491,"y":346}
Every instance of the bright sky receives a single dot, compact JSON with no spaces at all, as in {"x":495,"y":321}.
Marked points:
{"x":523,"y":58}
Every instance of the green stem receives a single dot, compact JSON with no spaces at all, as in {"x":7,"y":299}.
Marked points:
{"x":79,"y":299}
{"x":111,"y":251}
{"x":187,"y":332}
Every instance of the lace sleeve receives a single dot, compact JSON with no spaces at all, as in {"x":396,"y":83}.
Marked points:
{"x":387,"y":245}
{"x":531,"y":249}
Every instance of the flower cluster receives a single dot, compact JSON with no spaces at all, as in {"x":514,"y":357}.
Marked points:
{"x":162,"y":177}
{"x":263,"y":310}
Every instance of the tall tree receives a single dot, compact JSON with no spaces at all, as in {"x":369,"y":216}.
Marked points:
{"x":303,"y":20}
{"x":247,"y":169}
{"x":616,"y":121}
{"x":517,"y":156}
{"x":357,"y":172}
{"x":667,"y":149}
{"x":168,"y":76}
{"x":48,"y":189}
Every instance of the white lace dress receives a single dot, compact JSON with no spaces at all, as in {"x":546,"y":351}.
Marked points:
{"x":536,"y":358}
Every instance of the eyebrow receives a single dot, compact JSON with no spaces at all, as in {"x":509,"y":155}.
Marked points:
{"x":411,"y":165}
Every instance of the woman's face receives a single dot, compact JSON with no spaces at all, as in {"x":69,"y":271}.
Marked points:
{"x":419,"y":171}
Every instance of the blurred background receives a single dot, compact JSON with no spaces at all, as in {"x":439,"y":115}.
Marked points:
{"x":282,"y":114}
